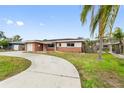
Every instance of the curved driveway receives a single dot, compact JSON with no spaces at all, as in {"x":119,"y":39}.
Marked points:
{"x":45,"y":71}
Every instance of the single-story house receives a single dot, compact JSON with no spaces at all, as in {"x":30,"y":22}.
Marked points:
{"x":115,"y":47}
{"x":64,"y":45}
{"x":17,"y":46}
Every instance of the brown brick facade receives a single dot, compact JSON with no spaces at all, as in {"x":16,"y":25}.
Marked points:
{"x":35,"y":46}
{"x":50,"y":49}
{"x":38,"y":47}
{"x":43,"y":47}
{"x":71,"y":49}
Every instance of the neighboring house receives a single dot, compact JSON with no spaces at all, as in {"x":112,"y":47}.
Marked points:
{"x":17,"y":46}
{"x":115,"y":46}
{"x":64,"y":45}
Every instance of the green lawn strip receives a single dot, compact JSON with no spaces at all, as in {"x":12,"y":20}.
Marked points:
{"x":94,"y":73}
{"x":10,"y":66}
{"x":5,"y":50}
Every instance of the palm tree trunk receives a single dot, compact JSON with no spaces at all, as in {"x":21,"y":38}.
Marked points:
{"x":120,"y":47}
{"x":123,"y":48}
{"x":100,"y":48}
{"x":110,"y":48}
{"x":110,"y":40}
{"x":100,"y":39}
{"x":110,"y":45}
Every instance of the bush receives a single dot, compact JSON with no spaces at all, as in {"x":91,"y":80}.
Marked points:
{"x":106,"y":50}
{"x":4,"y":43}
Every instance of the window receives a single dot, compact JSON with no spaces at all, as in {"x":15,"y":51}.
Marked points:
{"x":50,"y":45}
{"x":70,"y":44}
{"x":59,"y":44}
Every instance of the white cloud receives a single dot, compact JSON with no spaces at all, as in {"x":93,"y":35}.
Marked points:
{"x":42,"y":24}
{"x":9,"y":22}
{"x":19,"y":23}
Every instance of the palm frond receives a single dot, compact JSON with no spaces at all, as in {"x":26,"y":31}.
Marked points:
{"x":95,"y":21}
{"x":105,"y":17}
{"x":112,"y":17}
{"x":101,"y":18}
{"x":84,"y":13}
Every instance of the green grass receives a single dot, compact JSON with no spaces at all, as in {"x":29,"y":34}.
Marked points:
{"x":10,"y":66}
{"x":4,"y":50}
{"x":94,"y":73}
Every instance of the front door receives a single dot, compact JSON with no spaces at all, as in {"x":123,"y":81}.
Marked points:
{"x":29,"y":47}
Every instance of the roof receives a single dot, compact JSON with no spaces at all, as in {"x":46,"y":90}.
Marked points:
{"x":63,"y":39}
{"x":16,"y":42}
{"x":31,"y":41}
{"x":115,"y":43}
{"x":57,"y":40}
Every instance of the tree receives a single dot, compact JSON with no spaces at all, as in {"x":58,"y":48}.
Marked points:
{"x":9,"y":39}
{"x":101,"y":18}
{"x":16,"y":38}
{"x":119,"y":35}
{"x":90,"y":46}
{"x":2,"y":35}
{"x":3,"y":40}
{"x":4,"y":43}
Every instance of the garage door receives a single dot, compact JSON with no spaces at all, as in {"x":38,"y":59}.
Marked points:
{"x":16,"y":47}
{"x":29,"y":47}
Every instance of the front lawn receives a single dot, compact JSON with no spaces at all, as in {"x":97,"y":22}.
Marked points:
{"x":3,"y":50}
{"x":10,"y":66}
{"x":94,"y":73}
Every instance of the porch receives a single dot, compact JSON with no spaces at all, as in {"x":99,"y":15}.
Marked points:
{"x":40,"y":47}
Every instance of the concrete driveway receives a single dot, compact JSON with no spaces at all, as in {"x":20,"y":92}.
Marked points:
{"x":45,"y":72}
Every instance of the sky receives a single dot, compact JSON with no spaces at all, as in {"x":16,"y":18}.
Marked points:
{"x":33,"y":22}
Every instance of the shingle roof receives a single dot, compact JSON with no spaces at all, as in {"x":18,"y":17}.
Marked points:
{"x":18,"y":42}
{"x":58,"y":40}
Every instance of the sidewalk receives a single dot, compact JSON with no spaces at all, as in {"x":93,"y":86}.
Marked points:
{"x":118,"y":55}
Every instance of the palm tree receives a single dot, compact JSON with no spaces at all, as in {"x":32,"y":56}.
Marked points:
{"x":101,"y":18}
{"x":119,"y":35}
{"x":112,"y":18}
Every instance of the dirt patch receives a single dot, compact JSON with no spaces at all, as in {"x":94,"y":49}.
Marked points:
{"x":111,"y":79}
